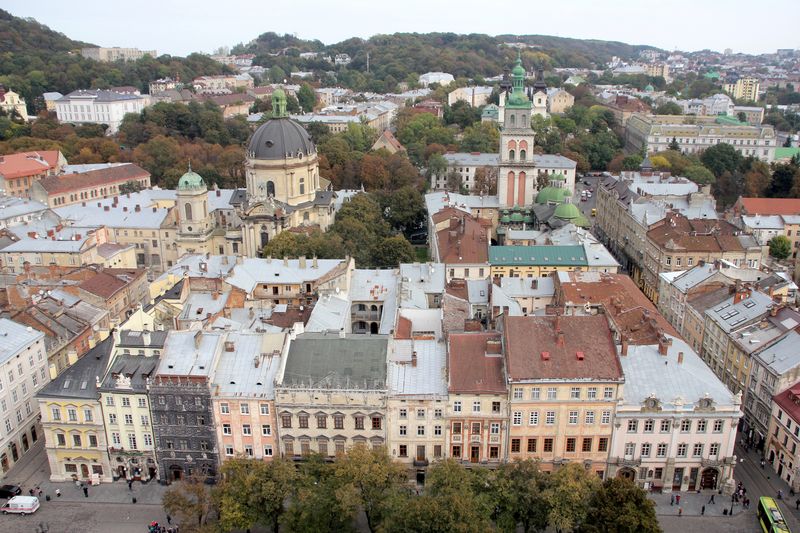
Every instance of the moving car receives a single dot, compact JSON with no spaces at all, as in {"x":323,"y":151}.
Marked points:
{"x":9,"y":491}
{"x":21,"y":505}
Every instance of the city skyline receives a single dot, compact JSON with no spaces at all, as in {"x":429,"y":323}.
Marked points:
{"x":202,"y":30}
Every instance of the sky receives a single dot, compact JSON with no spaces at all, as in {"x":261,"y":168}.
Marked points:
{"x":179,"y":27}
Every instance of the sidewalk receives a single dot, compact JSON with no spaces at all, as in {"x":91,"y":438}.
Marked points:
{"x":116,"y":492}
{"x":692,"y":504}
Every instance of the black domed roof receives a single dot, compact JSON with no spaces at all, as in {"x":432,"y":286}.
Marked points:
{"x":279,"y":138}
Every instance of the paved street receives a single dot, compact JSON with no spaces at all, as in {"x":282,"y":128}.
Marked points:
{"x":109,"y":507}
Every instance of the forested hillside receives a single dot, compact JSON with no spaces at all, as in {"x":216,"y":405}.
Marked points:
{"x":35,"y":59}
{"x":403,"y":56}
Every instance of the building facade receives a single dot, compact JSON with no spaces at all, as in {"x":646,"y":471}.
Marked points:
{"x":23,"y":372}
{"x":564,"y":381}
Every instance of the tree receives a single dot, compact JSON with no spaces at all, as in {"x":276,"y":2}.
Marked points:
{"x":321,"y":503}
{"x":518,"y":490}
{"x":784,"y":176}
{"x":780,"y":247}
{"x":481,"y":137}
{"x":699,"y":174}
{"x":391,"y":251}
{"x":254,"y":492}
{"x":461,"y":113}
{"x":404,"y":208}
{"x":660,"y":162}
{"x":437,"y":165}
{"x":721,"y":158}
{"x":306,"y":98}
{"x":673,"y":145}
{"x":371,"y":477}
{"x":632,"y":162}
{"x":129,"y":187}
{"x":669,"y":108}
{"x":455,"y":182}
{"x":485,"y":181}
{"x":277,"y":75}
{"x":620,"y":506}
{"x":190,"y":501}
{"x":568,"y":496}
{"x":741,"y":116}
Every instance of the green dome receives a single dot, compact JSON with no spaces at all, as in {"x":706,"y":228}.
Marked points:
{"x":552,"y":195}
{"x":528,"y":219}
{"x":517,"y":217}
{"x":567,"y":211}
{"x":581,"y":222}
{"x":518,"y":70}
{"x":191,"y":180}
{"x":505,"y":219}
{"x":649,"y":88}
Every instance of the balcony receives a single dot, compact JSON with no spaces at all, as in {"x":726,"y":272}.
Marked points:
{"x":366,"y":315}
{"x":420,"y":462}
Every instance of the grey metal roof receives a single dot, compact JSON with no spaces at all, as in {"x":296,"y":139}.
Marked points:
{"x":317,"y":360}
{"x":279,"y":138}
{"x":135,"y":367}
{"x":783,"y":355}
{"x":730,"y":316}
{"x":238,"y":374}
{"x":80,"y":379}
{"x":427,"y":377}
{"x":677,"y":386}
{"x":137,"y":339}
{"x":14,"y":337}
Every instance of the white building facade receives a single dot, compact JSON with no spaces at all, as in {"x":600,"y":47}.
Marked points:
{"x":23,"y":371}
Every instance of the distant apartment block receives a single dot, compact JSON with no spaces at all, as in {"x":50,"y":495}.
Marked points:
{"x":96,"y":106}
{"x":745,"y":88}
{"x":694,"y":134}
{"x":109,"y":55}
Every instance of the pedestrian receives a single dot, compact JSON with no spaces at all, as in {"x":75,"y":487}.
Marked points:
{"x":677,"y":499}
{"x":711,"y":501}
{"x":169,"y":519}
{"x":680,"y":511}
{"x":30,"y":492}
{"x":780,"y":494}
{"x":85,"y":492}
{"x":702,"y":510}
{"x":762,"y":464}
{"x":58,"y":493}
{"x":39,"y":491}
{"x":672,"y":499}
{"x":130,"y":484}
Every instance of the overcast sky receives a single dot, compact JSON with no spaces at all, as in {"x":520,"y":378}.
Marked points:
{"x":179,"y":27}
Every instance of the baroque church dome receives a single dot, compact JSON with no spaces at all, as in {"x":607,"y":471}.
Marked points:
{"x":280,"y":137}
{"x":190,"y":180}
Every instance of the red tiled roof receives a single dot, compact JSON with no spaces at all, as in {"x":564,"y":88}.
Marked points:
{"x":391,"y":140}
{"x":789,"y":401}
{"x":103,"y":284}
{"x":472,"y":370}
{"x":631,"y":313}
{"x":231,"y":99}
{"x":700,"y":235}
{"x":533,"y":350}
{"x":72,"y":182}
{"x":403,"y":328}
{"x":464,"y":241}
{"x":770,"y":206}
{"x":28,"y":163}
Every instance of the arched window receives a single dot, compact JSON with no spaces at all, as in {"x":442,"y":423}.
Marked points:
{"x":305,"y":216}
{"x":522,"y":155}
{"x":187,"y":209}
{"x":512,"y":120}
{"x":511,"y":155}
{"x":264,"y":236}
{"x":270,"y":188}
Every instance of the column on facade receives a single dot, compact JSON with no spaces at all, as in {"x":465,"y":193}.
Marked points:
{"x":510,"y":189}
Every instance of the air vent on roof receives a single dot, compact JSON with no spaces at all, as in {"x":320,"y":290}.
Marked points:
{"x":545,"y":356}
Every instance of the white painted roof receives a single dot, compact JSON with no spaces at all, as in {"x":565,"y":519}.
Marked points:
{"x":253,"y":271}
{"x":428,"y":377}
{"x":677,"y":386}
{"x":417,"y":281}
{"x":181,"y":357}
{"x":236,"y":373}
{"x":15,"y":337}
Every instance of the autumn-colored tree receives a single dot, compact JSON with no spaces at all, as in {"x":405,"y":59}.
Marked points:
{"x":374,"y":174}
{"x":372,"y":477}
{"x":485,"y":181}
{"x":191,"y":502}
{"x":254,"y":492}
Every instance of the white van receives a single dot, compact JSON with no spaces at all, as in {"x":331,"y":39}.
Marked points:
{"x":21,"y":505}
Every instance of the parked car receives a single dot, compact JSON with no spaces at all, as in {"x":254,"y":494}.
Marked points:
{"x":9,"y":491}
{"x":21,"y":505}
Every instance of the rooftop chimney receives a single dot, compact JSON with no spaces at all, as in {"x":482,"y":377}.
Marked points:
{"x":146,"y":338}
{"x":138,"y":208}
{"x":545,"y":356}
{"x":580,"y":356}
{"x":230,"y":346}
{"x":301,"y":261}
{"x":560,"y":339}
{"x":341,"y":333}
{"x":494,"y":346}
{"x":680,"y":358}
{"x":414,"y":358}
{"x":663,"y":344}
{"x":623,"y":347}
